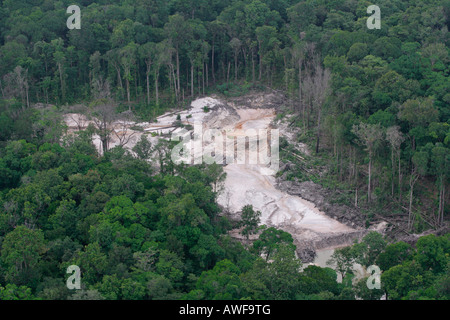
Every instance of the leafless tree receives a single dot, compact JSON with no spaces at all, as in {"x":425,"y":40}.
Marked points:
{"x":102,"y":113}
{"x":227,"y":208}
{"x":16,"y":86}
{"x":316,"y":85}
{"x":122,"y":128}
{"x":77,"y":114}
{"x":21,"y":77}
{"x":101,"y":88}
{"x":320,"y":92}
{"x":9,"y":88}
{"x":314,"y":88}
{"x":307,"y":93}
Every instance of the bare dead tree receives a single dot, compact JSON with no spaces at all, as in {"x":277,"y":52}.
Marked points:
{"x":317,"y":84}
{"x":314,"y":87}
{"x":16,"y":86}
{"x":307,"y":92}
{"x":21,"y":77}
{"x":122,"y":129}
{"x":80,"y":120}
{"x":102,"y":113}
{"x":101,"y":88}
{"x":10,"y":89}
{"x":227,"y":208}
{"x":77,"y":114}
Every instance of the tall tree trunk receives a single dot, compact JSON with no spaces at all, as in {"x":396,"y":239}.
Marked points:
{"x":399,"y":178}
{"x":136,"y":77}
{"x":393,"y":172}
{"x":119,"y":79}
{"x":203,"y":77}
{"x":199,"y":85}
{"x":412,"y":182}
{"x":369,"y":191}
{"x":228,"y":72}
{"x":174,"y":78}
{"x":253,"y":68}
{"x":148,"y":88}
{"x":318,"y":131}
{"x":224,"y":71}
{"x":300,"y":85}
{"x":246,"y":66}
{"x":157,"y":86}
{"x":207,"y":75}
{"x":260,"y":66}
{"x":63,"y":93}
{"x":192,"y":79}
{"x":178,"y":71}
{"x":27,"y":93}
{"x":235,"y":67}
{"x":1,"y":89}
{"x":441,"y":202}
{"x":308,"y":112}
{"x":213,"y":68}
{"x":127,"y":82}
{"x":177,"y":89}
{"x":170,"y":80}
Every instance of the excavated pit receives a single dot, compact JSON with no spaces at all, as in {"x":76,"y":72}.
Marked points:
{"x":249,"y":184}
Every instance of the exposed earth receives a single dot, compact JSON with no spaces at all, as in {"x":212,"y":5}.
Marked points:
{"x":300,"y":209}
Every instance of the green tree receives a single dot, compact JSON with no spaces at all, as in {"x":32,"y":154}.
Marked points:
{"x":432,"y":252}
{"x":220,"y":283}
{"x":419,"y":113}
{"x":269,"y":241}
{"x":367,"y":251}
{"x":90,"y":295}
{"x":268,"y":44}
{"x":357,"y":52}
{"x":401,"y":279}
{"x":13,"y":292}
{"x":314,"y":280}
{"x":249,"y":220}
{"x":283,"y":281}
{"x":369,"y":136}
{"x":92,"y":262}
{"x":143,"y":148}
{"x":363,"y":292}
{"x":394,"y":254}
{"x":343,"y":260}
{"x":127,"y":61}
{"x":22,"y":250}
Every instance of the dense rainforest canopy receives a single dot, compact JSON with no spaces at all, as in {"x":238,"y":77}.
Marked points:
{"x":373,"y":103}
